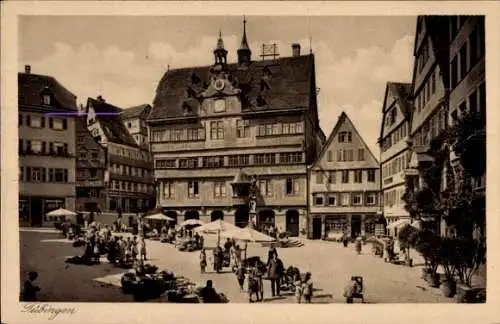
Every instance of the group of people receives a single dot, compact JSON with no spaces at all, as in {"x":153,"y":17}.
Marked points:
{"x":98,"y":240}
{"x":229,"y":255}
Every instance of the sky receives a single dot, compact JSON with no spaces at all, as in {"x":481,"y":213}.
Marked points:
{"x":122,"y":58}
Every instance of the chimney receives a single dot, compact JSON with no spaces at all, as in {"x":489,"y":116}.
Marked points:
{"x":100,"y":98}
{"x":296,"y":49}
{"x":27,"y":69}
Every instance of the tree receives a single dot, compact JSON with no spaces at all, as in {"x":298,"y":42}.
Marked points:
{"x":461,"y":206}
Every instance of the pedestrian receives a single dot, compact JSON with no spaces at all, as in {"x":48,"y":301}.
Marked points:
{"x":203,"y":260}
{"x":273,"y":275}
{"x":272,"y":253}
{"x":30,"y":290}
{"x":350,"y":290}
{"x":297,"y":282}
{"x":143,"y":248}
{"x":307,"y":288}
{"x":240,"y":276}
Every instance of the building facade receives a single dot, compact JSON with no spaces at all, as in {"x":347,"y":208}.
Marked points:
{"x":222,"y":131}
{"x":46,"y":148}
{"x":448,"y":81}
{"x":394,"y":150}
{"x":467,"y":80}
{"x":92,"y":176}
{"x":134,"y":119}
{"x":130,"y":185}
{"x":344,"y":185}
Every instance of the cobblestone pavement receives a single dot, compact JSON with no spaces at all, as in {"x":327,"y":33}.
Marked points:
{"x":330,"y":264}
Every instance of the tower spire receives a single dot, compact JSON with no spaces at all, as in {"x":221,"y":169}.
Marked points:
{"x":244,"y":52}
{"x":220,"y":53}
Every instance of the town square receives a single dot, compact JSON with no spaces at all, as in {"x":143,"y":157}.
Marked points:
{"x":243,"y":163}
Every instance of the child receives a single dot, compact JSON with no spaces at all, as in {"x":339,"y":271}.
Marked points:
{"x":30,"y":290}
{"x":240,"y":275}
{"x":203,"y":260}
{"x":298,"y":288}
{"x":307,"y":288}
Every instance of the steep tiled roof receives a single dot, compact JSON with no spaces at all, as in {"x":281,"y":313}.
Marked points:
{"x":89,"y":143}
{"x":290,"y":85}
{"x":140,"y":111}
{"x":30,"y":87}
{"x":112,"y":125}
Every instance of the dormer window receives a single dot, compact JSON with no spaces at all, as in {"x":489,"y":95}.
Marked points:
{"x":261,"y":101}
{"x":46,"y":99}
{"x":186,"y":108}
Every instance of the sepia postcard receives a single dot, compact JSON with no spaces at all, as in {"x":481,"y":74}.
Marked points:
{"x":242,"y":153}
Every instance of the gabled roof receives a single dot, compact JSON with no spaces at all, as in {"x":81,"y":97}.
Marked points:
{"x":30,"y":87}
{"x":403,"y":98}
{"x":141,"y":111}
{"x":437,"y":28}
{"x":341,"y":120}
{"x":112,"y":125}
{"x":290,"y":85}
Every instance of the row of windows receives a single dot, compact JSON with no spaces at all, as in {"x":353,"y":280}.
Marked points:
{"x":41,"y":147}
{"x":476,"y":102}
{"x":430,"y":128}
{"x":292,"y":188}
{"x":330,"y":176}
{"x":347,"y":155}
{"x":395,"y":137}
{"x":345,"y":199}
{"x":395,"y":166}
{"x":231,"y":160}
{"x":470,"y":53}
{"x":393,"y":197}
{"x":179,"y":135}
{"x":131,"y":153}
{"x":39,"y":174}
{"x":130,"y":170}
{"x":40,"y":122}
{"x":129,"y":186}
{"x":294,"y":128}
{"x":218,"y":132}
{"x":426,"y":91}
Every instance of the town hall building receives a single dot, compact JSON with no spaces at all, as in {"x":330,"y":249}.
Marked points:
{"x":225,"y":132}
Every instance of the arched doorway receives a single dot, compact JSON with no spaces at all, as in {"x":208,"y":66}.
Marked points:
{"x":241,"y":217}
{"x":191,"y":214}
{"x":216,"y":214}
{"x":292,"y":222}
{"x":172,"y":214}
{"x":265,"y":219}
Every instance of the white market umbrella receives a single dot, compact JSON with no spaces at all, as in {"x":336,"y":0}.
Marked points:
{"x":61,"y":212}
{"x":216,"y":227}
{"x":248,"y":234}
{"x":192,"y":222}
{"x":159,"y":217}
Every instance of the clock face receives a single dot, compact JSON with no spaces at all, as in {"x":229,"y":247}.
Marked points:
{"x":219,"y":105}
{"x":219,"y":84}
